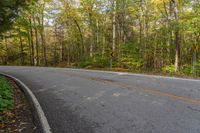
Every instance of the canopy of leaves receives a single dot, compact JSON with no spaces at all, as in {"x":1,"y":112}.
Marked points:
{"x":9,"y":10}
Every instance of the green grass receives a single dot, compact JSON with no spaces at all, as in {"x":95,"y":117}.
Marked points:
{"x":6,"y":95}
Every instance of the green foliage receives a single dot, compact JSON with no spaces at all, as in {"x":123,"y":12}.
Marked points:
{"x":6,"y":95}
{"x":98,"y":62}
{"x":168,"y":69}
{"x":9,"y":10}
{"x":186,"y":69}
{"x":198,"y":68}
{"x":129,"y":63}
{"x":84,"y":64}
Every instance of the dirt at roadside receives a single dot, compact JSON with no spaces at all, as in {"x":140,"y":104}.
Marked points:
{"x":20,"y":118}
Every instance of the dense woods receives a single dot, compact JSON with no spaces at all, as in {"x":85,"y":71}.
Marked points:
{"x":136,"y":35}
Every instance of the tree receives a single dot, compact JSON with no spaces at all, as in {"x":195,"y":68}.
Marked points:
{"x":9,"y":10}
{"x":143,"y":35}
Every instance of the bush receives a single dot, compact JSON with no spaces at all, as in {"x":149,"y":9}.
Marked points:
{"x":168,"y":69}
{"x":186,"y":69}
{"x":86,"y":63}
{"x":97,"y":62}
{"x":6,"y":95}
{"x":198,"y":68}
{"x":130,"y":64}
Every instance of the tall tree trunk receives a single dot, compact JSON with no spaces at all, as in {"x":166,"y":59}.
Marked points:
{"x":7,"y":53}
{"x":194,"y":54}
{"x":194,"y":62}
{"x":177,"y":41}
{"x":114,"y":33}
{"x":29,"y":46}
{"x":91,"y":49}
{"x":141,"y":27}
{"x":68,"y":56}
{"x":36,"y":42}
{"x":54,"y":54}
{"x":42,"y":35}
{"x":81,"y":36}
{"x":62,"y":45}
{"x":103,"y":47}
{"x":91,"y":36}
{"x":21,"y":49}
{"x":114,"y":26}
{"x":177,"y":36}
{"x":32,"y":44}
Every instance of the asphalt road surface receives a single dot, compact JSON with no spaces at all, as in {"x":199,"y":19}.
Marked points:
{"x":83,"y":101}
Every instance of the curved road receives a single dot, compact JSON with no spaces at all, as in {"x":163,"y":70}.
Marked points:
{"x":83,"y":101}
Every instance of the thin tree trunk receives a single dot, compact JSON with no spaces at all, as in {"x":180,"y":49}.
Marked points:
{"x":68,"y":56}
{"x":177,"y":37}
{"x":62,"y":45}
{"x":91,"y":36}
{"x":141,"y":27}
{"x":81,"y":36}
{"x":32,"y":45}
{"x":177,"y":41}
{"x":194,"y":62}
{"x":21,"y":50}
{"x":6,"y":45}
{"x":41,"y":23}
{"x":103,"y":46}
{"x":97,"y":32}
{"x":29,"y":45}
{"x":54,"y":54}
{"x":36,"y":42}
{"x":114,"y":26}
{"x":114,"y":33}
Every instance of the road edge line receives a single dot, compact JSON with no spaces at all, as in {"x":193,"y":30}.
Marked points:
{"x":39,"y":113}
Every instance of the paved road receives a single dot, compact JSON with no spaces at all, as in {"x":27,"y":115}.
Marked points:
{"x":81,"y":101}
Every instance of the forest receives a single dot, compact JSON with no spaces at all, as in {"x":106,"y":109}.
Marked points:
{"x":144,"y":36}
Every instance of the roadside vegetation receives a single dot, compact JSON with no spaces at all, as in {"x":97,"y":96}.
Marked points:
{"x":15,"y":112}
{"x":6,"y":95}
{"x":145,"y":36}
